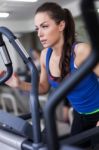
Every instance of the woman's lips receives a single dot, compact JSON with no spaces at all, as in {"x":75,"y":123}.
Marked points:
{"x":43,"y":41}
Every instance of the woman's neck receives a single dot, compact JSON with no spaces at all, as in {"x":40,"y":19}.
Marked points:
{"x":58,"y":47}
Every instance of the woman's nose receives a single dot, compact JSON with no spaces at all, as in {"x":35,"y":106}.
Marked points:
{"x":40,"y":33}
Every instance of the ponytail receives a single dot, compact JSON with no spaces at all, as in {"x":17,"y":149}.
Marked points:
{"x":69,"y":38}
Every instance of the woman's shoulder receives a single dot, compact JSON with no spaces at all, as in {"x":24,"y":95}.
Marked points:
{"x":82,"y":48}
{"x":43,"y":56}
{"x":82,"y":51}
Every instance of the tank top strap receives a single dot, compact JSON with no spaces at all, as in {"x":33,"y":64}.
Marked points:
{"x":48,"y":54}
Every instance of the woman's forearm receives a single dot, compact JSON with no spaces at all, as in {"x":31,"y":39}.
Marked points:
{"x":26,"y":86}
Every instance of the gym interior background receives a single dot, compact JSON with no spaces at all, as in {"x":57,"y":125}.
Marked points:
{"x":20,"y":21}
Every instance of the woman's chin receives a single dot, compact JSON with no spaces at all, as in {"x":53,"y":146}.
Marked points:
{"x":46,"y":45}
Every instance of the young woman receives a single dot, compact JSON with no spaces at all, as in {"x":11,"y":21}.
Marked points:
{"x":61,"y":56}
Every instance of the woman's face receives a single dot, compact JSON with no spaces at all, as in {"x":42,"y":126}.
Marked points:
{"x":48,"y":31}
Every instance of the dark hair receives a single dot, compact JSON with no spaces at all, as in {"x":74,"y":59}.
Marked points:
{"x":58,"y":14}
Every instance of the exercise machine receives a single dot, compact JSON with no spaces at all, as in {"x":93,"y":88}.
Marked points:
{"x":12,"y":137}
{"x":8,"y":120}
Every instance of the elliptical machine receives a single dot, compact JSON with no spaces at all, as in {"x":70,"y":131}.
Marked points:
{"x":23,"y":142}
{"x":8,"y":121}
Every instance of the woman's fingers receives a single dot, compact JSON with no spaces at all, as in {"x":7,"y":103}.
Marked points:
{"x":13,"y":81}
{"x":2,"y":72}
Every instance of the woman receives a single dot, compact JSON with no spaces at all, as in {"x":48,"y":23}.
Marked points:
{"x":61,"y":56}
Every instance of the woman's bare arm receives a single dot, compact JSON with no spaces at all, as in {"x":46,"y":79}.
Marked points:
{"x":82,"y":51}
{"x":14,"y":81}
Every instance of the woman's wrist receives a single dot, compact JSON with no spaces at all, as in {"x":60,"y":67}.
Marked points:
{"x":25,"y":86}
{"x":20,"y":85}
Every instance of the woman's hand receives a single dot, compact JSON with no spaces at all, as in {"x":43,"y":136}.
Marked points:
{"x":2,"y":72}
{"x":14,"y":81}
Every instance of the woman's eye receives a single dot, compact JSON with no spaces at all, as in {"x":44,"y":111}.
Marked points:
{"x":36,"y":29}
{"x":44,"y":26}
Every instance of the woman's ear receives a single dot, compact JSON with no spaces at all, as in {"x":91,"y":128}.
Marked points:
{"x":62,"y":25}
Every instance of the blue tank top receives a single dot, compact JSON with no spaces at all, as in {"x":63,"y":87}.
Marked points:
{"x":85,"y":96}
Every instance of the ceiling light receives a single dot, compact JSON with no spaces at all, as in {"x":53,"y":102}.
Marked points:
{"x":98,"y":10}
{"x":23,"y":0}
{"x":4,"y":15}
